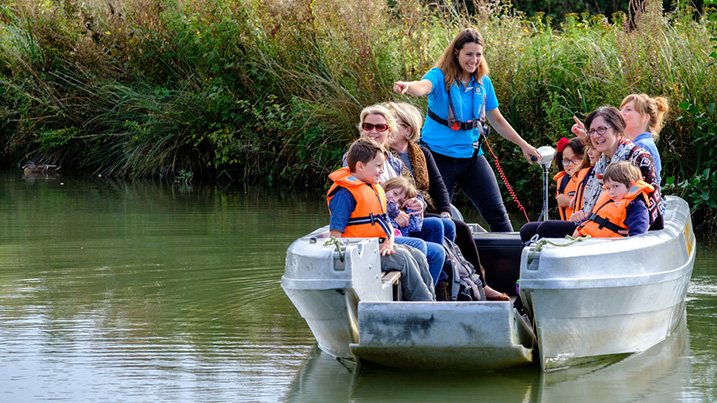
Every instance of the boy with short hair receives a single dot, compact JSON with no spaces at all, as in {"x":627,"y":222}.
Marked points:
{"x":622,"y":209}
{"x":358,"y":209}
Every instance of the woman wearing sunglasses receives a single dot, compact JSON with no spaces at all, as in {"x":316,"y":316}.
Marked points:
{"x":460,"y":97}
{"x":606,"y":133}
{"x":377,"y":123}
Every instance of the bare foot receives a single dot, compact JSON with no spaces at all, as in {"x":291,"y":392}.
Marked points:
{"x":493,"y":295}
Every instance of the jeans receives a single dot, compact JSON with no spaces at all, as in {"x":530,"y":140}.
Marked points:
{"x":415,"y":279}
{"x":477,"y":180}
{"x":435,"y":228}
{"x":435,"y":254}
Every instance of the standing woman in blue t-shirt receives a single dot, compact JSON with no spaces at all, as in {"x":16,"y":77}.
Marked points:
{"x":460,"y":94}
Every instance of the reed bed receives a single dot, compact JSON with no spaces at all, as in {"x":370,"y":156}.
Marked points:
{"x":270,"y":90}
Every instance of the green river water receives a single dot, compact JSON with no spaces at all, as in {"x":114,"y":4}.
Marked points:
{"x":148,"y":291}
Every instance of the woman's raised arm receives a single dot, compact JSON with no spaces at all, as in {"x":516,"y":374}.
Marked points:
{"x":415,"y":88}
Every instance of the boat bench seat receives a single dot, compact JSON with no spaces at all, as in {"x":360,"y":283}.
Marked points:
{"x":393,"y":278}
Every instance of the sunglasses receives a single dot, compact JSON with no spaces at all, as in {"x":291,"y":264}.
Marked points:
{"x":381,"y":127}
{"x":598,"y":130}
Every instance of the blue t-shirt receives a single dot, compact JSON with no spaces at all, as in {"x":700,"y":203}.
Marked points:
{"x":341,"y":206}
{"x":467,"y":101}
{"x":646,"y":141}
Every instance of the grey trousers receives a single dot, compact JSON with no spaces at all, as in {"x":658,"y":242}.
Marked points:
{"x":416,"y":280}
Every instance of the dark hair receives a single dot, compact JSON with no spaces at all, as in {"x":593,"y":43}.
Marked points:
{"x":448,"y":62}
{"x":612,"y":116}
{"x":363,"y":150}
{"x":575,"y":144}
{"x":622,"y":172}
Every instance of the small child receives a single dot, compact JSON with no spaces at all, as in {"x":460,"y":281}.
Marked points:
{"x":358,"y":209}
{"x":568,"y":159}
{"x":585,"y":172}
{"x":398,"y":190}
{"x":621,"y":209}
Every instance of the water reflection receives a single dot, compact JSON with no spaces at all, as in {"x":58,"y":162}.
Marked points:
{"x":658,"y":374}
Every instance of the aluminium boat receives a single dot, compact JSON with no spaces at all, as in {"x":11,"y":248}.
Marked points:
{"x":608,"y":296}
{"x":583,"y":301}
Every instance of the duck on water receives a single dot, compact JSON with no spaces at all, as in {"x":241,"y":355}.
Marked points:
{"x":30,"y":168}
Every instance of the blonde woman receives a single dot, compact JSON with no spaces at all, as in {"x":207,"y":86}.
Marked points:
{"x":644,"y":117}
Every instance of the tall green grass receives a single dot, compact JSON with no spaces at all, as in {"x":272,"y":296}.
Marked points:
{"x":267,"y":90}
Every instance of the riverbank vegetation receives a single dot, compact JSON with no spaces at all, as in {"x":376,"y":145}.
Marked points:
{"x":269,"y":91}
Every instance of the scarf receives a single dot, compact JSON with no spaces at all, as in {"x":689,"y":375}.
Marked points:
{"x":593,"y":187}
{"x":419,"y":178}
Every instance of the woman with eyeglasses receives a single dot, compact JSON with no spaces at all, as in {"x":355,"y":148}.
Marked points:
{"x":644,"y":117}
{"x":460,"y":97}
{"x":606,"y":133}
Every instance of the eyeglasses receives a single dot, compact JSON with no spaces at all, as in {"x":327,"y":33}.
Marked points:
{"x":600,"y":131}
{"x":381,"y":127}
{"x":573,"y":161}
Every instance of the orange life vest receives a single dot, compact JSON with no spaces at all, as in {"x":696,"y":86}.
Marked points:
{"x":580,"y":191}
{"x":608,"y":217}
{"x":368,"y":220}
{"x":567,"y":186}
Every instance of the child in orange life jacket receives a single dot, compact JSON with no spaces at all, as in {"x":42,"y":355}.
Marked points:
{"x":585,"y":171}
{"x":621,"y":209}
{"x":358,"y":209}
{"x":398,"y":190}
{"x":568,"y":158}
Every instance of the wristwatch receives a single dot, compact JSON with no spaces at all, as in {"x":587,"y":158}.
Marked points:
{"x":445,"y":215}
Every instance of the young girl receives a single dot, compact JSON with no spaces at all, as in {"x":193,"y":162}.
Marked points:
{"x":585,"y":171}
{"x":568,"y":158}
{"x":398,"y":190}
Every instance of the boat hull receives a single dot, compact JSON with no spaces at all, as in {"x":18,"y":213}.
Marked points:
{"x":443,"y":335}
{"x":606,"y":297}
{"x":325,"y":286}
{"x":352,"y":314}
{"x":588,"y":301}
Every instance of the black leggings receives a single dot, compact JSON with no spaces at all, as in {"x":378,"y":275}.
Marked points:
{"x":547,"y":229}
